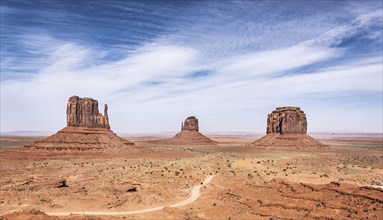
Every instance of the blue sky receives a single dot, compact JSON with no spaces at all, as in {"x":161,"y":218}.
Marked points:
{"x":229,"y":63}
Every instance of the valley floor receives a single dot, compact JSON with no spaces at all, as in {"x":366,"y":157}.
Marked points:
{"x":343,"y":181}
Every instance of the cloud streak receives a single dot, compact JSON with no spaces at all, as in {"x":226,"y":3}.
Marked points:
{"x":227,"y":65}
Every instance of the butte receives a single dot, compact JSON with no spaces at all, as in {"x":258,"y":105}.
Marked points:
{"x":189,"y":135}
{"x":287,"y":127}
{"x":86,"y":129}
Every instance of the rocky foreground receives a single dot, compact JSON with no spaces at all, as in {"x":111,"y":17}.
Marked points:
{"x":341,"y":182}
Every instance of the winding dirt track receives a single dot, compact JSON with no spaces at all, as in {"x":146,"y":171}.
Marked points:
{"x":194,"y":195}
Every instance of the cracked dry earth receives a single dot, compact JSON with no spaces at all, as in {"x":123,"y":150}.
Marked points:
{"x":341,"y":182}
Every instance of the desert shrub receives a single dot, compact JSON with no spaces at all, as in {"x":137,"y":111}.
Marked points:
{"x":324,"y":175}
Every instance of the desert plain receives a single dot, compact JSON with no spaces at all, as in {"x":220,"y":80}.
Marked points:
{"x":342,"y":181}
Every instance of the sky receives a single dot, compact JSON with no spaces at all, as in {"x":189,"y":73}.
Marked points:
{"x":229,"y":63}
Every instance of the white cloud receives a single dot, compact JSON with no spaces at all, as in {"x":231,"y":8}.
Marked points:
{"x":71,"y":71}
{"x":148,"y":90}
{"x":338,"y":33}
{"x":276,"y":61}
{"x":244,"y":82}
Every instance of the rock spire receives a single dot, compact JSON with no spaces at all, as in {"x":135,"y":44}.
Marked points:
{"x":86,"y":129}
{"x":83,"y":112}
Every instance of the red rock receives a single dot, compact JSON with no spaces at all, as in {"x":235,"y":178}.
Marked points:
{"x":189,"y":135}
{"x":190,"y":124}
{"x":87,"y":129}
{"x":84,"y":112}
{"x":287,"y":120}
{"x":82,"y":138}
{"x":287,"y":127}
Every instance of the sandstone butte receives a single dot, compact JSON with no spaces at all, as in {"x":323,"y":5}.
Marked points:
{"x":86,"y":129}
{"x":287,"y":127}
{"x":189,"y":135}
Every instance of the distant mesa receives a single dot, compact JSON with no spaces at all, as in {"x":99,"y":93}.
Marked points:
{"x":287,"y":127}
{"x":189,"y":135}
{"x":86,"y":129}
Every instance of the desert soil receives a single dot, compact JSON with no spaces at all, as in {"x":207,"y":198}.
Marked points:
{"x":343,"y":181}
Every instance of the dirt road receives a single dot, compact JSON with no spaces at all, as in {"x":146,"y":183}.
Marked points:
{"x":194,"y":195}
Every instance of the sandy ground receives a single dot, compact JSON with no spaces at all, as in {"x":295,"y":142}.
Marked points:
{"x":249,"y":183}
{"x":194,"y":195}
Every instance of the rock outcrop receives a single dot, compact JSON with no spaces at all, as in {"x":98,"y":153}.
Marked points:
{"x":287,"y":120}
{"x":287,"y":127}
{"x":189,"y":135}
{"x":84,"y":112}
{"x":87,"y":129}
{"x":190,"y":124}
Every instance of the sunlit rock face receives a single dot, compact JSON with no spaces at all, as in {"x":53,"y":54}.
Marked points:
{"x":83,"y":112}
{"x":287,"y":127}
{"x":287,"y":120}
{"x":86,"y":129}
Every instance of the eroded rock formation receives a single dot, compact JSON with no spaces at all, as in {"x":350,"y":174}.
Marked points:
{"x":287,"y":127}
{"x":287,"y":120}
{"x":189,"y":135}
{"x":84,"y":112}
{"x":87,"y":129}
{"x":190,"y":124}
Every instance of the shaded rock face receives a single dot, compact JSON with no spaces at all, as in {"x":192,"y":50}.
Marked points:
{"x":287,"y":120}
{"x":190,"y":124}
{"x":83,"y":112}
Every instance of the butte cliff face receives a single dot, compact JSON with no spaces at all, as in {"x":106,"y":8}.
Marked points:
{"x":189,"y":135}
{"x":86,"y":129}
{"x":190,"y":124}
{"x":84,"y":112}
{"x":287,"y":127}
{"x":287,"y":120}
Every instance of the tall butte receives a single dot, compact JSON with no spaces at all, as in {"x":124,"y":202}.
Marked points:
{"x":83,"y":112}
{"x":287,"y":127}
{"x":189,"y":135}
{"x":86,"y":129}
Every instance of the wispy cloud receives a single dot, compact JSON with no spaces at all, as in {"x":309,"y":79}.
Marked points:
{"x":226,"y":63}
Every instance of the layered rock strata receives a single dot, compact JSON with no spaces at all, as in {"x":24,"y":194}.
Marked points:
{"x":86,"y":129}
{"x":83,"y":112}
{"x":189,"y":135}
{"x":287,"y":120}
{"x":287,"y":127}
